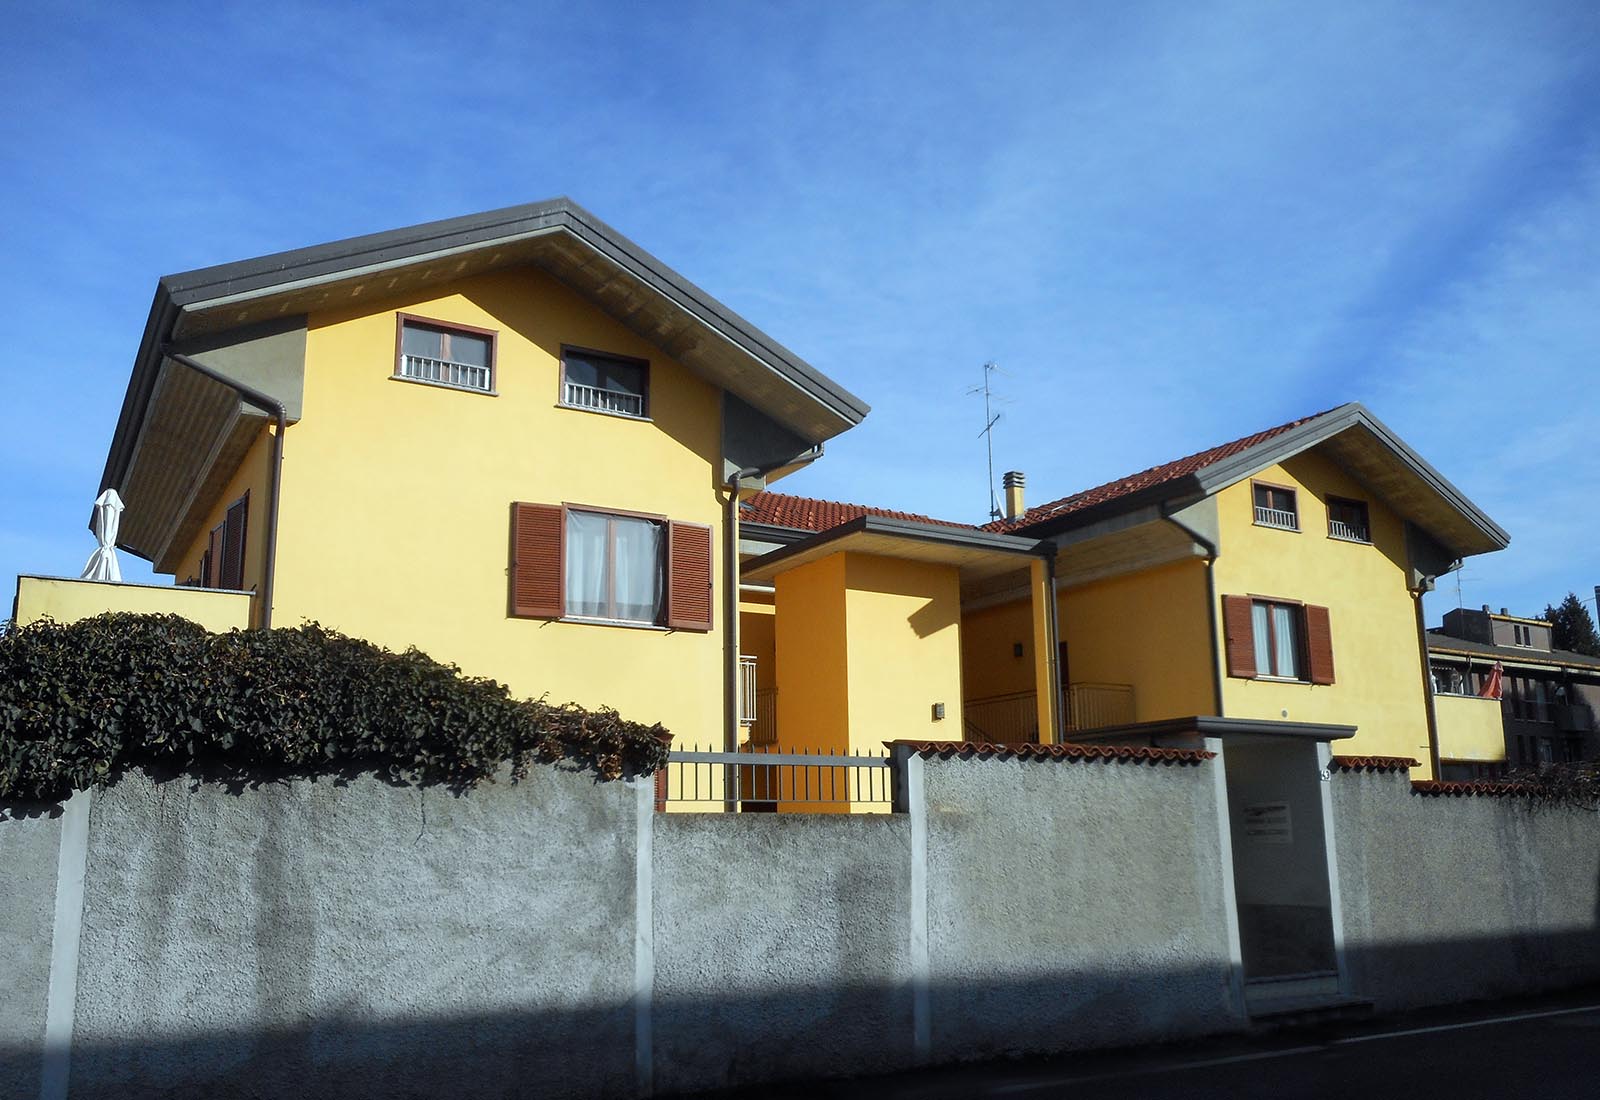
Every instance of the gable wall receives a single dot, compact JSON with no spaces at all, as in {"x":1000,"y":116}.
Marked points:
{"x":1377,"y":662}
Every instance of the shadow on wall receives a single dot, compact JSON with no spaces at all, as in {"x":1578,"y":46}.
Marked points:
{"x":705,"y":1044}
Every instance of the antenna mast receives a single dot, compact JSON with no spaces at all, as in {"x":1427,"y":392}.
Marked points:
{"x":990,"y":419}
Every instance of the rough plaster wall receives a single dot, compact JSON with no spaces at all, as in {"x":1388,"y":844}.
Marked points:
{"x":782,"y":947}
{"x":307,"y":939}
{"x":29,"y":849}
{"x":1460,"y":898}
{"x":1072,"y":905}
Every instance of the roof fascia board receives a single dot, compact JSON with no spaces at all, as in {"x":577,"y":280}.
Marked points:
{"x":1206,"y":725}
{"x":908,"y":529}
{"x":1514,"y":660}
{"x":1185,"y":488}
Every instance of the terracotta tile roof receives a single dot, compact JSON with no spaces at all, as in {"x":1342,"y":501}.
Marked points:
{"x":1156,"y":475}
{"x":1482,"y":788}
{"x":1374,"y":763}
{"x":946,"y":750}
{"x":808,"y":514}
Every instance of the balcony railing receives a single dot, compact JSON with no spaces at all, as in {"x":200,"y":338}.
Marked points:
{"x":611,"y":401}
{"x":1002,"y":719}
{"x":1277,"y":517}
{"x":465,"y":375}
{"x":768,"y":780}
{"x":1339,"y":529}
{"x":747,"y":691}
{"x":1096,"y":706}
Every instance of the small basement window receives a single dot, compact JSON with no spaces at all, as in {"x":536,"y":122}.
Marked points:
{"x":1275,"y":507}
{"x":598,"y":382}
{"x":445,"y":354}
{"x":1347,"y":520}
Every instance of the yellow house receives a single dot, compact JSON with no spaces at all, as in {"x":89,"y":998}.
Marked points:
{"x":1274,"y":579}
{"x":513,"y":440}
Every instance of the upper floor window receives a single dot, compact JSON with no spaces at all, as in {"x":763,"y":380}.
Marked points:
{"x":1523,"y":635}
{"x":222,"y":561}
{"x":1276,"y":506}
{"x":1277,"y":631}
{"x":613,"y":567}
{"x":1347,"y":519}
{"x":445,"y":354}
{"x":599,"y":382}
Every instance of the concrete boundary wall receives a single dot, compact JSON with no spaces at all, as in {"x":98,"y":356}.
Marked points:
{"x":1454,"y":897}
{"x":558,"y":938}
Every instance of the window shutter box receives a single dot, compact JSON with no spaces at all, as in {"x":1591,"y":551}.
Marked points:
{"x":536,"y":560}
{"x":1319,"y":645}
{"x":688,"y":576}
{"x":1240,"y":635}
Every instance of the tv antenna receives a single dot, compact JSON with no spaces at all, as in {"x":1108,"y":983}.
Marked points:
{"x":990,"y":419}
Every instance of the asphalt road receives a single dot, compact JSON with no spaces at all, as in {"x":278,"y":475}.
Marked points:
{"x":1548,"y":1048}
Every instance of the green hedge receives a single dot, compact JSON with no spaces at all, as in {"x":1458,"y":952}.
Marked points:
{"x":80,"y":703}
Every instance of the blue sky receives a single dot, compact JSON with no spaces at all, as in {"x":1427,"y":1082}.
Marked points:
{"x":1170,"y":224}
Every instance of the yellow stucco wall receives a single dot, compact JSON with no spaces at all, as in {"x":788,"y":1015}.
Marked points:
{"x":66,"y":601}
{"x":812,"y":657}
{"x":1377,"y":664}
{"x":396,"y":497}
{"x":990,"y":665}
{"x":1148,"y":630}
{"x":251,"y":477}
{"x":904,"y":625}
{"x":1470,"y":728}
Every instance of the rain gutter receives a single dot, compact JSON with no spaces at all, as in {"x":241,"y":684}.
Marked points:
{"x":268,"y":404}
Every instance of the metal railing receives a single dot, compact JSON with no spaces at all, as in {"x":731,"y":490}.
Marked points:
{"x":465,"y":375}
{"x":613,"y":401}
{"x":767,"y":780}
{"x":1095,"y":706}
{"x":764,"y":730}
{"x":1277,"y":517}
{"x":1002,"y":719}
{"x":1350,"y":532}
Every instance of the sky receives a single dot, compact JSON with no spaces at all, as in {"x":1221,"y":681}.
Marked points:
{"x":1170,"y":225}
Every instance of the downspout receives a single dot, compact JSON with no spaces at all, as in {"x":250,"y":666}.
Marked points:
{"x":1427,"y":678}
{"x":269,"y":404}
{"x":1212,"y":552}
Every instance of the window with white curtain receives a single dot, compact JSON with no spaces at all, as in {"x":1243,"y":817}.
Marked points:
{"x":1279,"y":631}
{"x":614,"y":567}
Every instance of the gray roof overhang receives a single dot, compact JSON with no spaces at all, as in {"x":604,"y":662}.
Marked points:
{"x":558,"y":236}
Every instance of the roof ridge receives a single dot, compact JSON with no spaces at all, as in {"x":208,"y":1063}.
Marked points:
{"x":1151,"y":476}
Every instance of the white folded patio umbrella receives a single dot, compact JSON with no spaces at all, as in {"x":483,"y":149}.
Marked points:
{"x":103,"y":562}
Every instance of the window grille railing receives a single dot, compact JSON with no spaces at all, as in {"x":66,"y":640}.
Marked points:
{"x":1339,"y":529}
{"x":465,"y":375}
{"x":767,"y":780}
{"x":612,"y":401}
{"x":1277,"y":517}
{"x":747,"y":691}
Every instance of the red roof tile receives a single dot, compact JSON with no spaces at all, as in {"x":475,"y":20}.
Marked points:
{"x":808,"y":514}
{"x":1156,"y":475}
{"x":1474,"y":787}
{"x":945,"y":750}
{"x":1374,"y":763}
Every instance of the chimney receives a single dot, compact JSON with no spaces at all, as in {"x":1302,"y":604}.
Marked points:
{"x":1485,"y":609}
{"x":1505,"y":611}
{"x":1013,"y":482}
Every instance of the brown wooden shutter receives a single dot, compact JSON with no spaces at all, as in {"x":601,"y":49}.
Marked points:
{"x":1240,"y":635}
{"x":212,"y":562}
{"x":1319,"y":645}
{"x":688,"y":576}
{"x":231,"y":572}
{"x":537,"y":556}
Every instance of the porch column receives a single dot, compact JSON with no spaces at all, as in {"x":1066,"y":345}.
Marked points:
{"x":1046,"y":667}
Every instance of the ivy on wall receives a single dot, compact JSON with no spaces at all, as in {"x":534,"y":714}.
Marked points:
{"x":80,"y":703}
